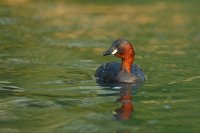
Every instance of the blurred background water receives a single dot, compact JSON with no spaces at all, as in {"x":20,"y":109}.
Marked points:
{"x":49,"y":51}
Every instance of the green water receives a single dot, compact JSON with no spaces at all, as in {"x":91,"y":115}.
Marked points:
{"x":49,"y":52}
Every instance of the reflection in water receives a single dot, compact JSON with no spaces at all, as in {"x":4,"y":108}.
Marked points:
{"x":126,"y":91}
{"x":126,"y":109}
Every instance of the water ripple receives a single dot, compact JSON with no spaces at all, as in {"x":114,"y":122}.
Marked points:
{"x":185,"y":80}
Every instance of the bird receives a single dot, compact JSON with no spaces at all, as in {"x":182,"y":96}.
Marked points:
{"x":124,"y":72}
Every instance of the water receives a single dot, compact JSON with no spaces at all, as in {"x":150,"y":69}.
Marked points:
{"x":49,"y":52}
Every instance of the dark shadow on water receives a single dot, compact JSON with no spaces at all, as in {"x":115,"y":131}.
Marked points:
{"x":126,"y":90}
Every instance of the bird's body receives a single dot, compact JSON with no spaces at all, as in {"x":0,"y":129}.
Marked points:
{"x":110,"y":72}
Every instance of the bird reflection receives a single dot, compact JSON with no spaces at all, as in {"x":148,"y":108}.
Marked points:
{"x":126,"y":109}
{"x":124,"y":112}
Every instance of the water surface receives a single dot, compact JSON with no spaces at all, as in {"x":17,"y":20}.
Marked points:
{"x":49,"y":52}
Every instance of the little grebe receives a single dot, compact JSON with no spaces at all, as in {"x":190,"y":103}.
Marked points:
{"x":126,"y":72}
